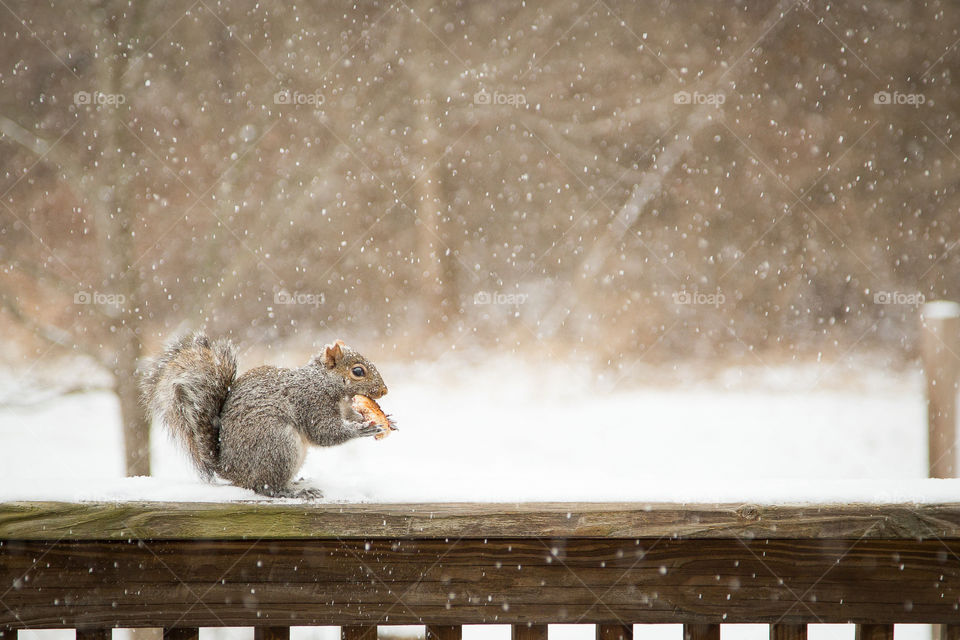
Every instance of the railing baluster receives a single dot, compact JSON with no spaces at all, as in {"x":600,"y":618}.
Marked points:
{"x":182,"y":633}
{"x":788,"y":632}
{"x":358,"y":632}
{"x":528,"y":632}
{"x":94,"y":634}
{"x":946,"y":631}
{"x":614,"y":632}
{"x":874,"y":632}
{"x":269,"y":633}
{"x":444,"y":632}
{"x":701,"y":632}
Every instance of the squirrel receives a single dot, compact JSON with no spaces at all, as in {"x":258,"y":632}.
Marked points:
{"x":254,"y":430}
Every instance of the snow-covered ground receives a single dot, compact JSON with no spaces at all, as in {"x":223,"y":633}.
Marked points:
{"x":507,"y":431}
{"x":514,"y":433}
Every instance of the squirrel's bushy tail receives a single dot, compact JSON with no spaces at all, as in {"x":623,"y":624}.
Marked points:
{"x":185,"y":387}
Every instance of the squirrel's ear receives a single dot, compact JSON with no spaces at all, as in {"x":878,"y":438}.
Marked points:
{"x":332,"y":353}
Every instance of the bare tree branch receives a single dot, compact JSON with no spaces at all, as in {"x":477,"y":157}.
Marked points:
{"x":652,"y":182}
{"x":62,"y":285}
{"x":48,"y":333}
{"x":24,"y":138}
{"x":17,"y":399}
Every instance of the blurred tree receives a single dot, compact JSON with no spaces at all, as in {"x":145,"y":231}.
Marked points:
{"x":277,"y":170}
{"x":100,"y":179}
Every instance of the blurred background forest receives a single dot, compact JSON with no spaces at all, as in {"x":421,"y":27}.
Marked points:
{"x":603,"y":181}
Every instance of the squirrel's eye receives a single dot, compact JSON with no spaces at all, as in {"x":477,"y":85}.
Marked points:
{"x":358,"y":371}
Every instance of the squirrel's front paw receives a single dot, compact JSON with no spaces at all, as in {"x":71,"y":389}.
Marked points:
{"x":363,"y":429}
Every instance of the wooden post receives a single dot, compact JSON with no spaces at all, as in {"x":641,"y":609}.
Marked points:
{"x":940,"y":322}
{"x":269,"y":633}
{"x":94,"y":634}
{"x":528,"y":632}
{"x":444,"y":632}
{"x":359,"y":632}
{"x":949,"y":632}
{"x":874,"y":632}
{"x":788,"y":632}
{"x":701,"y":632}
{"x":614,"y":632}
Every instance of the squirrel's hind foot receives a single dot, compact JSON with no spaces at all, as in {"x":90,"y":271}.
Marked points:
{"x":307,"y":493}
{"x":296,"y":491}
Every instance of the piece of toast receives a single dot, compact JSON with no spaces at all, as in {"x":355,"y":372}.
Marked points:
{"x":371,"y":412}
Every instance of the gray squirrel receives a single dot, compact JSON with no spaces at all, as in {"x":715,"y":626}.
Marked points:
{"x":254,"y":430}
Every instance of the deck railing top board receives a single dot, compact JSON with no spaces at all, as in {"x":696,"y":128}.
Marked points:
{"x":237,"y":520}
{"x":101,"y":565}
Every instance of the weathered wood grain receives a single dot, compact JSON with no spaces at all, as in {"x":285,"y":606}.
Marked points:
{"x":271,"y":633}
{"x":614,"y":632}
{"x":443,"y":632}
{"x":519,"y":581}
{"x":528,"y":632}
{"x":696,"y":631}
{"x":938,"y":348}
{"x":788,"y":632}
{"x":170,"y":521}
{"x":874,"y":632}
{"x":358,"y":632}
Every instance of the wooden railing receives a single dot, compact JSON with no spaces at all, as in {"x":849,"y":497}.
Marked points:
{"x":95,"y":567}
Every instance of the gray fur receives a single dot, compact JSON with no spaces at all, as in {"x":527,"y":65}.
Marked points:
{"x":254,"y":430}
{"x":184,"y":389}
